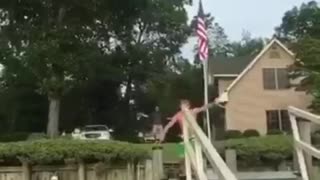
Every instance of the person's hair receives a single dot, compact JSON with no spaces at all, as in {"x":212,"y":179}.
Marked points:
{"x":185,"y":101}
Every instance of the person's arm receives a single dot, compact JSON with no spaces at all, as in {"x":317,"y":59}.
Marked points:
{"x":207,"y":106}
{"x":143,"y":115}
{"x":173,"y":120}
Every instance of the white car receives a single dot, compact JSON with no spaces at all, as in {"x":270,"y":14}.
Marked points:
{"x":100,"y":132}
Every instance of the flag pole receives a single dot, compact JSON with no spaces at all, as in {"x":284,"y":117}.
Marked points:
{"x":206,"y":101}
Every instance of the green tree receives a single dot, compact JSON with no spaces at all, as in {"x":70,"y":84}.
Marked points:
{"x":149,"y":43}
{"x":62,"y":46}
{"x":300,"y":22}
{"x":53,"y":41}
{"x":300,"y":27}
{"x":247,"y":46}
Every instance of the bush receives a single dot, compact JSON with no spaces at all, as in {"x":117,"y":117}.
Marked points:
{"x":272,"y":148}
{"x":14,"y":137}
{"x":37,"y":136}
{"x":251,"y":133}
{"x":59,"y":150}
{"x":275,"y":132}
{"x":21,"y":136}
{"x":233,"y":134}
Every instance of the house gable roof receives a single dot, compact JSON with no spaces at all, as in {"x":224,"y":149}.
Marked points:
{"x":224,"y":66}
{"x":224,"y":97}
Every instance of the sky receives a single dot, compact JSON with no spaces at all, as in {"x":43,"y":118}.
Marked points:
{"x":259,"y":17}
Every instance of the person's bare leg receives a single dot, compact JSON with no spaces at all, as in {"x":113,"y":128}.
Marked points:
{"x":154,"y":131}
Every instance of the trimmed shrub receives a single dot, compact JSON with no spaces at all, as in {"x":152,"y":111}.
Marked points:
{"x":273,"y":148}
{"x":251,"y":133}
{"x":275,"y":132}
{"x":59,"y":150}
{"x":233,"y":134}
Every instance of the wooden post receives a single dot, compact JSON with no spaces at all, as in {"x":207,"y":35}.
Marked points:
{"x":130,"y":171}
{"x":26,"y":171}
{"x":81,"y":171}
{"x":199,"y":156}
{"x":186,"y":140}
{"x":157,"y":163}
{"x":231,"y":159}
{"x":295,"y":161}
{"x":305,"y":134}
{"x":148,"y":175}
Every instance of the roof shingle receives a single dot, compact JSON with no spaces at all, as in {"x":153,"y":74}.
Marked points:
{"x":228,"y":65}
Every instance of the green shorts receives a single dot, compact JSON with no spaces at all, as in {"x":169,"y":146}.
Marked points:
{"x":181,"y":148}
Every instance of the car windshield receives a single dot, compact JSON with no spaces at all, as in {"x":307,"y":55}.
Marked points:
{"x":95,"y":128}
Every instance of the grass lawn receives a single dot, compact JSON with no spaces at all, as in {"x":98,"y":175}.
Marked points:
{"x":170,"y":152}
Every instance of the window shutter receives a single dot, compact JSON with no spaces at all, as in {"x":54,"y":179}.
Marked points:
{"x":283,"y":78}
{"x":269,"y":78}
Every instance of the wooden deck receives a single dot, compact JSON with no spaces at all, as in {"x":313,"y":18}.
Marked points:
{"x":272,"y":175}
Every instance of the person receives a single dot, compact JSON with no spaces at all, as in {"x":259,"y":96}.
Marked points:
{"x":179,"y":118}
{"x":156,"y":117}
{"x":157,"y":127}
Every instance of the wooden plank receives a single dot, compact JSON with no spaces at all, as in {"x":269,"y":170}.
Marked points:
{"x":186,"y":138}
{"x":55,"y":168}
{"x":81,"y":171}
{"x":26,"y":171}
{"x":198,"y":154}
{"x":192,"y":156}
{"x":308,"y":148}
{"x":148,"y":170}
{"x":267,"y":175}
{"x":305,"y":136}
{"x":4,"y":169}
{"x":304,"y":114}
{"x":212,"y":154}
{"x":231,"y":159}
{"x":300,"y":155}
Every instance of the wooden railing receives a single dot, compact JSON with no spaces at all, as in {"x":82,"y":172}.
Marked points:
{"x":301,"y":128}
{"x":196,"y":144}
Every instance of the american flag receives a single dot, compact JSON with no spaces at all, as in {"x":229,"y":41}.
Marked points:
{"x":202,"y":34}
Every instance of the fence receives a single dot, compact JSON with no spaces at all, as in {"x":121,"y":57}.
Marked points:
{"x":301,"y":129}
{"x":75,"y":172}
{"x":151,"y":169}
{"x":194,"y":152}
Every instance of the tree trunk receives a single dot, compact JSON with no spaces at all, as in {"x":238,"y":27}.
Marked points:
{"x":53,"y":117}
{"x":13,"y":119}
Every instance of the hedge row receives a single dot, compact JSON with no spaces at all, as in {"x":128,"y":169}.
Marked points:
{"x":60,"y":150}
{"x":21,"y":136}
{"x":271,"y":148}
{"x":236,"y":134}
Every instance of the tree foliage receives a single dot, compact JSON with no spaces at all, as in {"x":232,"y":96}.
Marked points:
{"x":62,"y":48}
{"x":300,"y":28}
{"x":247,"y":46}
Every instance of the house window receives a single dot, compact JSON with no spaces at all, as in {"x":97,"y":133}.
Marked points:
{"x":278,"y":120}
{"x":275,"y":78}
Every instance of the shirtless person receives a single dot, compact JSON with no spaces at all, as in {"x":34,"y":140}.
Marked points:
{"x":179,"y":117}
